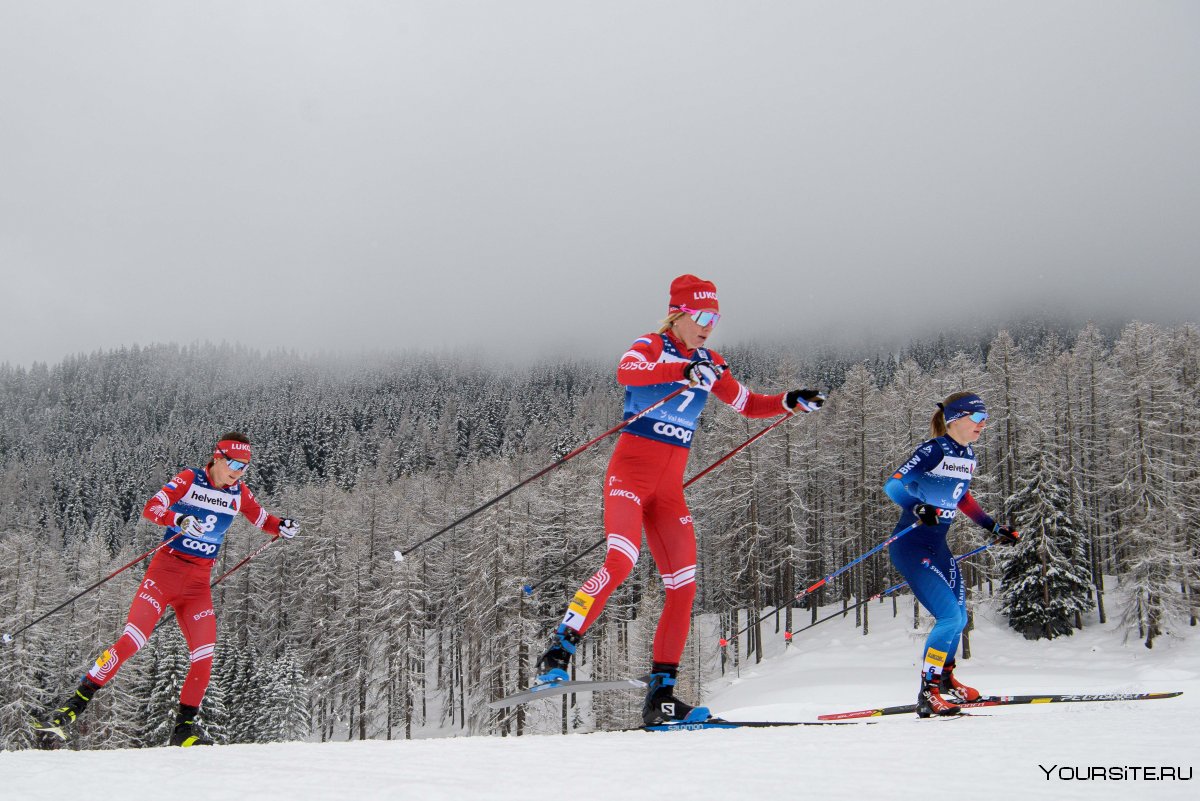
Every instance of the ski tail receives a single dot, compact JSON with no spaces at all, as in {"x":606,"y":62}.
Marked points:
{"x":1005,"y":700}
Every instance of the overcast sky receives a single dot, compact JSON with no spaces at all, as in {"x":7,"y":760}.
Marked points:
{"x":527,"y":177}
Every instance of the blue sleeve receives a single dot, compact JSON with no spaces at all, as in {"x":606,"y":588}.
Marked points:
{"x":924,"y":459}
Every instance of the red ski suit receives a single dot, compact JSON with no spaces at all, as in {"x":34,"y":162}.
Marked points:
{"x":644,"y":489}
{"x":181,"y":579}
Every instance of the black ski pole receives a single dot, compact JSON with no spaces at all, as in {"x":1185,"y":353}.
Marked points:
{"x":7,"y":638}
{"x":529,"y":588}
{"x":401,"y":554}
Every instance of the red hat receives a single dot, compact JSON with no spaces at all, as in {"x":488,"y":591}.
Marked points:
{"x":232,"y":449}
{"x":694,"y":293}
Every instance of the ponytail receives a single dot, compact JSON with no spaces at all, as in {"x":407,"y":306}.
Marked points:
{"x":668,"y":323}
{"x":937,"y":423}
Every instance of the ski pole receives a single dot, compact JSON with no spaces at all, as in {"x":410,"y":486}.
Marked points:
{"x":401,"y":554}
{"x":7,"y":638}
{"x":724,"y":641}
{"x":171,"y":613}
{"x":529,"y":588}
{"x":800,"y":595}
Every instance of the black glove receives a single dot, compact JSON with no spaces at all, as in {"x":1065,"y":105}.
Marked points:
{"x":702,"y":373}
{"x":803,"y":400}
{"x":926,"y":513}
{"x":1007,"y":534}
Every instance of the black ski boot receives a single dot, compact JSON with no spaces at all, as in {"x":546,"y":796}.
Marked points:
{"x":187,"y":733}
{"x":57,"y":722}
{"x":552,"y":666}
{"x":662,"y":707}
{"x":931,"y":701}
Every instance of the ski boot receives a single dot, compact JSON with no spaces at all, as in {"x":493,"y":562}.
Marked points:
{"x":930,"y":700}
{"x":187,"y":733}
{"x":955,"y":688}
{"x":552,"y":666}
{"x":662,"y":707}
{"x":57,"y":722}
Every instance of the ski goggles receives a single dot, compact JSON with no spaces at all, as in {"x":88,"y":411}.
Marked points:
{"x":236,"y":465}
{"x":701,"y":318}
{"x":967,"y":406}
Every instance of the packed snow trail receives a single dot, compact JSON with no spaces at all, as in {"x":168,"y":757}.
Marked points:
{"x":1002,"y":755}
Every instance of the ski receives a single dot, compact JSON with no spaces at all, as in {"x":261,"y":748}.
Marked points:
{"x":1003,"y":700}
{"x":47,"y":734}
{"x":562,"y":688}
{"x":718,"y":723}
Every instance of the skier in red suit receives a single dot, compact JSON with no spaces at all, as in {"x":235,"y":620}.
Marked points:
{"x":197,"y":507}
{"x":643,"y":488}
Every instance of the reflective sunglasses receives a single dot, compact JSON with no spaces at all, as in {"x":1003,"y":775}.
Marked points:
{"x":977,"y":417}
{"x":701,"y":318}
{"x":236,"y":465}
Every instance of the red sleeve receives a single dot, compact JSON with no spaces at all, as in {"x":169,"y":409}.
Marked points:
{"x":971,"y":508}
{"x":743,"y":401}
{"x":253,"y":511}
{"x":639,"y":366}
{"x":158,"y":508}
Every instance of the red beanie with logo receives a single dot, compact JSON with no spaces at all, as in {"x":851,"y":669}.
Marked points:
{"x":688,"y":291}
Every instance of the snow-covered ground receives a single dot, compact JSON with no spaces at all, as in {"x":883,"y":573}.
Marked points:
{"x":1003,"y":755}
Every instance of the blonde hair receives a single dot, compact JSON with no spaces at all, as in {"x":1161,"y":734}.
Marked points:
{"x":669,"y":322}
{"x":937,"y":423}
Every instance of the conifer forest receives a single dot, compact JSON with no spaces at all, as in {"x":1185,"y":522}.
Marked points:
{"x":362,"y":628}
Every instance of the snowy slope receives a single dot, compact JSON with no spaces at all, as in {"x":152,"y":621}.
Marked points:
{"x":831,"y":668}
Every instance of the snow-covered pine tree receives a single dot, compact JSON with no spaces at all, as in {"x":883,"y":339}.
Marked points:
{"x":1045,"y":579}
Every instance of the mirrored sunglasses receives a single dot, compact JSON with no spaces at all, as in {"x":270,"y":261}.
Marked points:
{"x":235,"y":465}
{"x":701,"y":318}
{"x":978,"y":417}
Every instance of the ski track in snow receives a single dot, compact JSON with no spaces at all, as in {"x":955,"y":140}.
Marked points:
{"x":833,"y":668}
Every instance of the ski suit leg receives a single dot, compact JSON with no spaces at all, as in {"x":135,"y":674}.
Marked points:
{"x":671,"y":536}
{"x":158,"y":587}
{"x":627,"y":486}
{"x":933,"y":575}
{"x":198,"y":622}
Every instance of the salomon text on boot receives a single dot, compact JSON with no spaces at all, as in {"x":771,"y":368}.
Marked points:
{"x":662,"y":707}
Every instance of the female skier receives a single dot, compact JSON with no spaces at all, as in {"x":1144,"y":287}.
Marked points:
{"x":197,"y":507}
{"x":931,"y":487}
{"x":643,"y":487}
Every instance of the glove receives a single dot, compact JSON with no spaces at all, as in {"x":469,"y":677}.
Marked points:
{"x":1007,"y":534}
{"x":926,"y":513}
{"x":803,"y":400}
{"x":288,"y":528}
{"x":702,"y":373}
{"x":189,"y":526}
